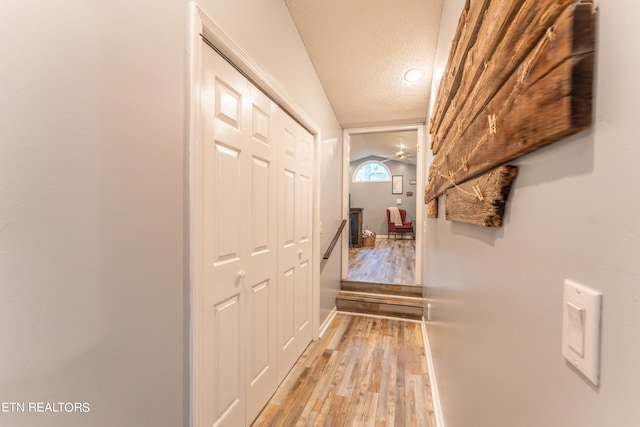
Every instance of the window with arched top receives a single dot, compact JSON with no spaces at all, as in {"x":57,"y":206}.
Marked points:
{"x":372,"y":171}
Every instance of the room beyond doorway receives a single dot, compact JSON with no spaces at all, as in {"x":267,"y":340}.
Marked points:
{"x":370,"y":194}
{"x":388,"y":261}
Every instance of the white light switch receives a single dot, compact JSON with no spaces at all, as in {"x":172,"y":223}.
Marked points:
{"x":576,"y":327}
{"x":398,"y":201}
{"x":581,"y":329}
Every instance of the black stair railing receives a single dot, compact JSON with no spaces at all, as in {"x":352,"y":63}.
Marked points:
{"x":332,"y":245}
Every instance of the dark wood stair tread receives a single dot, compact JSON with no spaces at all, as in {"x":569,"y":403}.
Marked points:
{"x":382,"y":288}
{"x":381,"y":299}
{"x":380,"y":304}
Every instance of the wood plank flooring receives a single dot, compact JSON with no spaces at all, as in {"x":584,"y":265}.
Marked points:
{"x":365,"y":371}
{"x":390,"y":261}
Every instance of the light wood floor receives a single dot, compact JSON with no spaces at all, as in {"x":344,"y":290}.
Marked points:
{"x":390,"y":261}
{"x":365,"y":371}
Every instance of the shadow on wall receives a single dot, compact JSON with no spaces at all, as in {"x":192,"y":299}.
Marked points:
{"x":571,"y":157}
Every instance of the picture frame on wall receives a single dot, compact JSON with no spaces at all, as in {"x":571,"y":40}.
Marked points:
{"x":396,"y":184}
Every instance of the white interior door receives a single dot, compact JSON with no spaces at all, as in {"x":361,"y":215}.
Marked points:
{"x":295,"y":241}
{"x":236,"y":314}
{"x":222,"y":305}
{"x":253,"y":204}
{"x":262,"y":261}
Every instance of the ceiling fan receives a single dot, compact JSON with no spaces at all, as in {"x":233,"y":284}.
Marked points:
{"x":400,"y":155}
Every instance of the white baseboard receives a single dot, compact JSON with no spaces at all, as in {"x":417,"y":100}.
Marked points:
{"x":437,"y":408}
{"x":327,"y":322}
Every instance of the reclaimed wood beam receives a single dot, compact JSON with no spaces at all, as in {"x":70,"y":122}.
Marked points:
{"x":463,"y":69}
{"x":481,"y":201}
{"x":548,"y":98}
{"x":466,"y":36}
{"x":432,"y":208}
{"x":508,"y":33}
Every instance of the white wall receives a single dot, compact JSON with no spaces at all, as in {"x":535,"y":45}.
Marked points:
{"x":497,"y":294}
{"x":93,"y":189}
{"x":92,"y":176}
{"x":331,"y":217}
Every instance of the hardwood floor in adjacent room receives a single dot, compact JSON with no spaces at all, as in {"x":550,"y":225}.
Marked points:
{"x":390,"y":261}
{"x":365,"y":371}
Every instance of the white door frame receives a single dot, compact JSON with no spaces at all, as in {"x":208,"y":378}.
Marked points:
{"x":420,"y":183}
{"x":201,"y":24}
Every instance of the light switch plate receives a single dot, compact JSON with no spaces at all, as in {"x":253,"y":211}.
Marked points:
{"x":581,"y":329}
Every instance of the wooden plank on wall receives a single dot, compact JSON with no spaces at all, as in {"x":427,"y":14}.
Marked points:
{"x":548,"y":98}
{"x":509,"y":32}
{"x":462,"y":68}
{"x":481,"y":201}
{"x":466,"y":36}
{"x":432,"y":208}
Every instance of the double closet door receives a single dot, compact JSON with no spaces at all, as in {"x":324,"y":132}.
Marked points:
{"x":252,"y":257}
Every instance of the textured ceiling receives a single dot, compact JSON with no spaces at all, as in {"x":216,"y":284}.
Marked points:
{"x":361,"y":50}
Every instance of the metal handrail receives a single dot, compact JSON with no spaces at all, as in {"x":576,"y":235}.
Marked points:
{"x":332,"y":245}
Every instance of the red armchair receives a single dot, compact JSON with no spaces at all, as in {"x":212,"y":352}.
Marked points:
{"x":406,"y":227}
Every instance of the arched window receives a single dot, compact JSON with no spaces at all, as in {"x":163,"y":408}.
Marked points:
{"x":372,"y":171}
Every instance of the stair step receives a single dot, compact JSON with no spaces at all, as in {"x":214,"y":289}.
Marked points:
{"x":382,"y":305}
{"x":382,"y":288}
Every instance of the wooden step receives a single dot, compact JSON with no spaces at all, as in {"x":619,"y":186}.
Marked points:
{"x":382,"y":288}
{"x":403,"y":307}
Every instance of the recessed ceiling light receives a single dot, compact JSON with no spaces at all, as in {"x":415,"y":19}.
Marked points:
{"x":414,"y":74}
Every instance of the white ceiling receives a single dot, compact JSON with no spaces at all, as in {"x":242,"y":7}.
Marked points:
{"x":361,"y":50}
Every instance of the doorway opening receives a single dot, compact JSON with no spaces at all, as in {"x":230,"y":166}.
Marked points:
{"x":383,"y":177}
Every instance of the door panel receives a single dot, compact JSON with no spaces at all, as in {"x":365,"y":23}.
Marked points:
{"x":227,"y":335}
{"x":228,"y":106}
{"x":287,"y":300}
{"x":302,"y":218}
{"x":225,"y":181}
{"x":302,"y":318}
{"x":288,"y":141}
{"x":288,"y":208}
{"x":260,"y":361}
{"x":287,"y":351}
{"x":260,"y":177}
